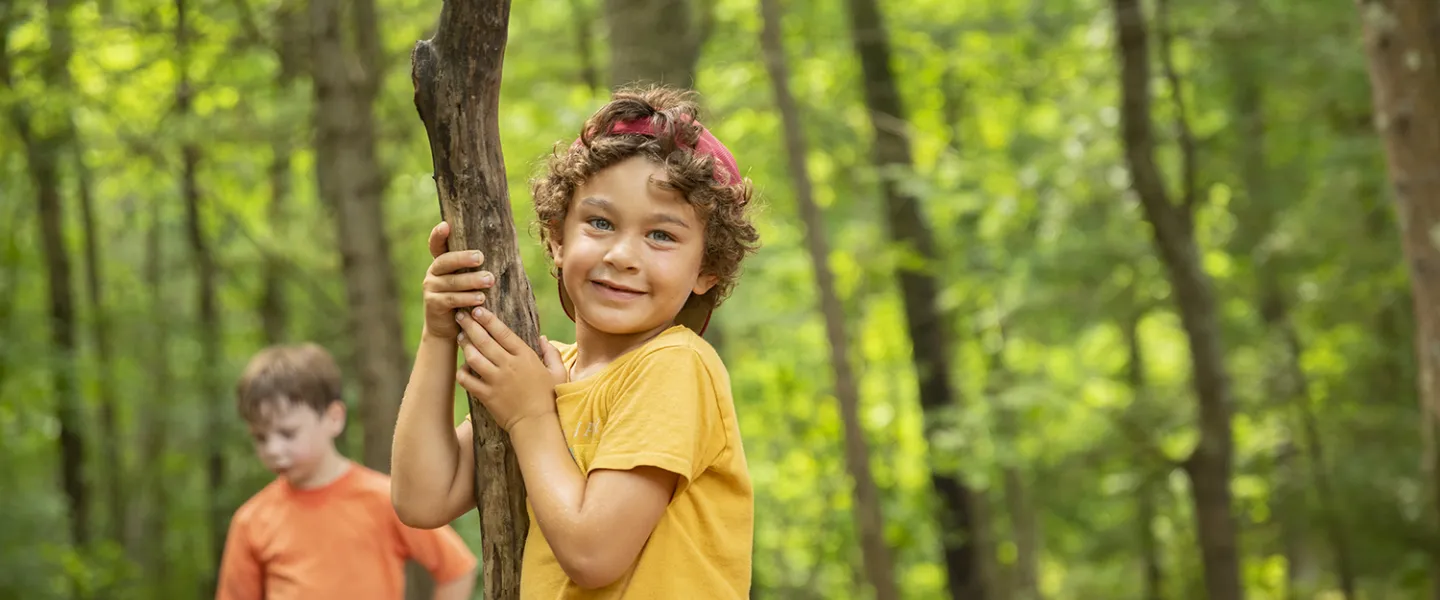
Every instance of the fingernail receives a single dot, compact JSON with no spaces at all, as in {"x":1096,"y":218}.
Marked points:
{"x":460,"y":316}
{"x":477,"y":257}
{"x":487,"y":278}
{"x":478,"y":312}
{"x":480,"y":298}
{"x":461,"y":337}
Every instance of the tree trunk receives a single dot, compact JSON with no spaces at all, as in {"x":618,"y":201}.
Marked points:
{"x":1210,"y":465}
{"x":1405,"y":85}
{"x":353,"y":184}
{"x":290,"y":49}
{"x":115,"y":493}
{"x":869,"y":519}
{"x":1254,"y":223}
{"x":929,"y":342}
{"x":1150,"y":485}
{"x":457,"y":76}
{"x":155,"y":433}
{"x":208,"y":314}
{"x":583,"y":21}
{"x":43,"y":147}
{"x":653,"y":41}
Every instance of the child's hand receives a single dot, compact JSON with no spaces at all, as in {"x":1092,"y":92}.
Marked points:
{"x":508,"y":377}
{"x":446,"y":289}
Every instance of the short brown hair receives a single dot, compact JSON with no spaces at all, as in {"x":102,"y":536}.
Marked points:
{"x":729,"y":235}
{"x":303,"y":374}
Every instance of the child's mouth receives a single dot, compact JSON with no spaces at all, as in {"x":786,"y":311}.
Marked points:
{"x":614,"y":291}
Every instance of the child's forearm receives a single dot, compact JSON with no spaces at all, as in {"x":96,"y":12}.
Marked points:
{"x":459,"y":589}
{"x":432,"y":478}
{"x":554,"y":484}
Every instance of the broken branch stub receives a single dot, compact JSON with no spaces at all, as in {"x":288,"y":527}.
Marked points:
{"x":456,"y":76}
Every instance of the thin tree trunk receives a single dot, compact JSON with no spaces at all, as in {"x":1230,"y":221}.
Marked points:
{"x":457,"y":93}
{"x":927,"y":329}
{"x":155,"y":433}
{"x":1023,"y":582}
{"x":1023,"y":528}
{"x":1150,"y":485}
{"x":583,"y":20}
{"x":1210,"y":464}
{"x":353,"y":182}
{"x":290,"y":48}
{"x":869,"y":519}
{"x":1405,"y":85}
{"x":43,"y":148}
{"x":347,"y":77}
{"x":208,"y":313}
{"x":116,"y":496}
{"x":653,"y":41}
{"x":1256,"y":222}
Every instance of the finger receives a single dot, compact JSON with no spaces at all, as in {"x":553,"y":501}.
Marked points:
{"x":481,"y":338}
{"x":461,"y":282}
{"x":451,"y":262}
{"x":552,"y":359}
{"x":439,"y":238}
{"x":500,"y":332}
{"x":454,"y":300}
{"x":482,"y":366}
{"x":471,"y":383}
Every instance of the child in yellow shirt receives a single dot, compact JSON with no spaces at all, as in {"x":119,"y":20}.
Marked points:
{"x":627,"y":440}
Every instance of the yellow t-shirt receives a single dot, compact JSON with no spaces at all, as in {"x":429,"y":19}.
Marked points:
{"x":666,"y":404}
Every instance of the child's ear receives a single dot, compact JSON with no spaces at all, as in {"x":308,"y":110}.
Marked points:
{"x":556,"y":251}
{"x":703,"y":283}
{"x":335,"y":418}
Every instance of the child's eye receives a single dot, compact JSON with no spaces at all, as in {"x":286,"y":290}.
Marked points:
{"x":287,"y":433}
{"x":661,"y":236}
{"x":599,"y":223}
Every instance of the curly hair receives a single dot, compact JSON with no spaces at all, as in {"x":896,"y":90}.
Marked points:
{"x":729,"y":235}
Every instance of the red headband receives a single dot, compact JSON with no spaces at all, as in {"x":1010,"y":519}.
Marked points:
{"x":726,"y":171}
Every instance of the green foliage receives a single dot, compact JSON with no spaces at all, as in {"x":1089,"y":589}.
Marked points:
{"x":1014,"y":128}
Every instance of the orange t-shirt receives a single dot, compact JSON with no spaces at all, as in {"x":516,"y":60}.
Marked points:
{"x":340,"y":541}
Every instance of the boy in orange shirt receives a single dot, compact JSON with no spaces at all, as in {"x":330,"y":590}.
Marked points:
{"x":324,"y":529}
{"x":627,"y":440}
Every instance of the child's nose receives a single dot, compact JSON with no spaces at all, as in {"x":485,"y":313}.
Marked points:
{"x":621,"y":254}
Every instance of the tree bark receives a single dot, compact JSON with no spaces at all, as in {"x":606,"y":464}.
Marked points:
{"x":353,"y":183}
{"x":208,"y":314}
{"x":1210,"y":464}
{"x":1405,"y":86}
{"x":869,"y":519}
{"x":927,"y":329}
{"x":44,"y":144}
{"x":457,"y":77}
{"x":654,"y":41}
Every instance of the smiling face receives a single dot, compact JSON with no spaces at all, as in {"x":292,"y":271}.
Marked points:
{"x":631,"y":250}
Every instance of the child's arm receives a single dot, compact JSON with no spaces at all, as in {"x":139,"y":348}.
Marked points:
{"x":445,"y":556}
{"x":597,"y":525}
{"x":432,"y":479}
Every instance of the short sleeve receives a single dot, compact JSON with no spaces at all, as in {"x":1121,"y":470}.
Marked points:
{"x":663,"y":415}
{"x":241,"y":576}
{"x":441,"y":551}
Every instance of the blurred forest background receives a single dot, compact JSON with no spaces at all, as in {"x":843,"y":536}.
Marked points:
{"x":1111,"y":300}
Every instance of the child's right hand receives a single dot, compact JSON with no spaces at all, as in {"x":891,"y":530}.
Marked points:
{"x":446,"y":288}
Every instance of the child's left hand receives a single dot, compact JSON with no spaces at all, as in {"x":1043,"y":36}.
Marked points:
{"x":508,"y":378}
